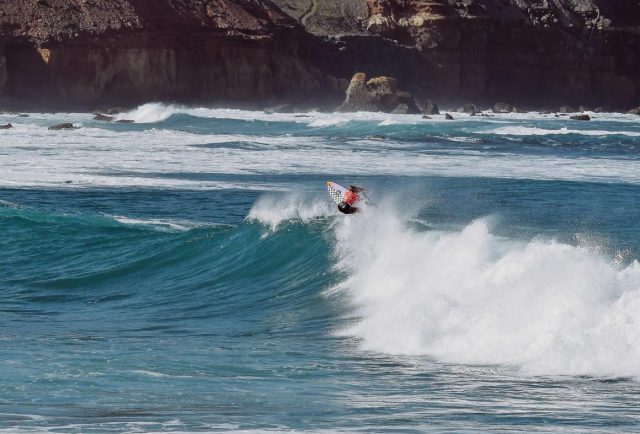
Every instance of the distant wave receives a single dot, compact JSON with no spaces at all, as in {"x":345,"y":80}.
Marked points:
{"x":532,"y":131}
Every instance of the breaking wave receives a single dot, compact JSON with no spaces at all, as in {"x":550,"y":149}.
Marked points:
{"x":472,"y":297}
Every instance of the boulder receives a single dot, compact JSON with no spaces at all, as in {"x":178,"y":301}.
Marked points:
{"x":379,"y":94}
{"x":448,"y":117}
{"x":401,"y":109}
{"x":405,"y":99}
{"x":65,"y":126}
{"x":101,"y":117}
{"x":23,"y":115}
{"x":502,"y":107}
{"x":426,"y":117}
{"x":467,"y":108}
{"x":580,"y":118}
{"x":431,"y":108}
{"x":6,"y":126}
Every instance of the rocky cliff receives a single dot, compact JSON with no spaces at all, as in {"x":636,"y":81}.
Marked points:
{"x":538,"y":52}
{"x":535,"y":52}
{"x":88,"y":51}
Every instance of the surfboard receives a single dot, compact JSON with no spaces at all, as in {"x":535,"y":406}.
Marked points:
{"x":335,"y":191}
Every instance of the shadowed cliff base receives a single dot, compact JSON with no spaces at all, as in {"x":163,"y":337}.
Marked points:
{"x":57,"y":54}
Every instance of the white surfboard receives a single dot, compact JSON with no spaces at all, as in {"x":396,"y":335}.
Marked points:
{"x":335,"y":191}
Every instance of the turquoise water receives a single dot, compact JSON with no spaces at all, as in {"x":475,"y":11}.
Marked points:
{"x":189,"y":273}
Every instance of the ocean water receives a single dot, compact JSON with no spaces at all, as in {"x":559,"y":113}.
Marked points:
{"x":188,"y":273}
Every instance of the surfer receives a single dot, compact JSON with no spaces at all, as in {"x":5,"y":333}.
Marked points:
{"x":348,"y":199}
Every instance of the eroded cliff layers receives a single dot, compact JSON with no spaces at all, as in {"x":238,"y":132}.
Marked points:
{"x":523,"y":51}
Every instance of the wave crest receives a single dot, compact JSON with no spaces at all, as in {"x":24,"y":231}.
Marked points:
{"x":473,"y":297}
{"x":274,"y":209}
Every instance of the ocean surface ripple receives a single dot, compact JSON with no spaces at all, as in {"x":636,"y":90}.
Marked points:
{"x":188,"y":273}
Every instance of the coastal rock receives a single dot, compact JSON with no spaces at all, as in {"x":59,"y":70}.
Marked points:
{"x":467,"y":108}
{"x":502,"y":107}
{"x":448,"y":117}
{"x":401,"y":109}
{"x":135,"y":51}
{"x":64,"y":126}
{"x":533,"y":53}
{"x":125,"y":121}
{"x":580,"y":117}
{"x":6,"y":126}
{"x":378,"y":94}
{"x":101,"y":117}
{"x":431,"y":108}
{"x":405,"y":99}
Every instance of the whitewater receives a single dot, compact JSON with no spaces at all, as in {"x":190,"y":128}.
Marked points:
{"x":189,"y":273}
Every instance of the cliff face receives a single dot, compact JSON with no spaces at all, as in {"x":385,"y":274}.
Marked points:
{"x":526,"y":51}
{"x":137,"y":50}
{"x":523,"y":51}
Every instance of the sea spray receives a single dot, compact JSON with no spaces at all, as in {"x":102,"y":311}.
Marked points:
{"x":274,"y":209}
{"x":472,"y":297}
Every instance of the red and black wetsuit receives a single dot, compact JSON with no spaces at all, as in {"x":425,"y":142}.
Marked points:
{"x":348,"y":199}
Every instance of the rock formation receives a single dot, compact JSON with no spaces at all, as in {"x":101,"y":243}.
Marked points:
{"x":140,"y":50}
{"x":532,"y":53}
{"x":379,"y":94}
{"x":528,"y":52}
{"x":580,"y":117}
{"x":502,"y":107}
{"x":431,"y":108}
{"x":64,"y":126}
{"x":101,"y":117}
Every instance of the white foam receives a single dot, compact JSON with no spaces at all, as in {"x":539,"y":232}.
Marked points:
{"x":328,"y":121}
{"x":472,"y":297}
{"x":388,"y":122}
{"x":149,"y":113}
{"x":163,"y":224}
{"x":533,"y":131}
{"x":32,"y":156}
{"x":272,"y":210}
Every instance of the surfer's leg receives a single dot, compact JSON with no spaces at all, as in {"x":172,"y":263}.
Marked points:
{"x":344,"y":208}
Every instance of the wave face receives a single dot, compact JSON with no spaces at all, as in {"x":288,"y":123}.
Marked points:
{"x":189,"y":273}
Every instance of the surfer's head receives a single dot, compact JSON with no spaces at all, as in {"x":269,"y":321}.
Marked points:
{"x":354,"y":189}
